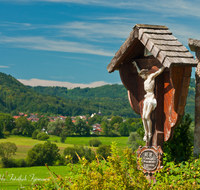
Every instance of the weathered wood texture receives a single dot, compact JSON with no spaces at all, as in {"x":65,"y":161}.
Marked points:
{"x":195,"y":46}
{"x":160,"y":42}
{"x":171,"y":86}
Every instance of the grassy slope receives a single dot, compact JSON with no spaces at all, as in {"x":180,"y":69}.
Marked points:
{"x":26,"y":143}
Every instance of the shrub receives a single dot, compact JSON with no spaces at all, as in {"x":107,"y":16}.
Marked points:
{"x":185,"y":175}
{"x":35,"y":133}
{"x":42,"y":136}
{"x":43,"y":153}
{"x":104,"y":151}
{"x":15,"y":131}
{"x":134,"y":141}
{"x":95,"y":142}
{"x":81,"y":151}
{"x":120,"y":172}
{"x":7,"y":133}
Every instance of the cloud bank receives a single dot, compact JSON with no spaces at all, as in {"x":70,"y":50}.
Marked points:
{"x":39,"y":82}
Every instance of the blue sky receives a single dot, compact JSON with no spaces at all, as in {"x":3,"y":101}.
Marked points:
{"x":70,"y":42}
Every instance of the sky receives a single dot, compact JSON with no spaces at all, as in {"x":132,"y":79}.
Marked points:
{"x":70,"y":42}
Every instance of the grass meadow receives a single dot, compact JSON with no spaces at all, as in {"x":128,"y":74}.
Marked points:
{"x":26,"y":143}
{"x":12,"y":178}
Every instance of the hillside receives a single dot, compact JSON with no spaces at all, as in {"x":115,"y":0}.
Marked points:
{"x":107,"y":93}
{"x":14,"y":97}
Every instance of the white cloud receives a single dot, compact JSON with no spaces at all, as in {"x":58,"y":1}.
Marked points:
{"x":39,"y":82}
{"x":2,"y":66}
{"x":41,"y":43}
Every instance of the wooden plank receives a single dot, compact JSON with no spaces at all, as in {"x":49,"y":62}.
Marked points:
{"x":163,"y":54}
{"x":179,"y":60}
{"x":151,"y":26}
{"x":164,"y":42}
{"x":160,"y":37}
{"x":178,"y":54}
{"x":154,"y":31}
{"x":172,"y":48}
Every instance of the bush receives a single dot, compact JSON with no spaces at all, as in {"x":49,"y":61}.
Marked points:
{"x":120,"y":172}
{"x":42,"y":136}
{"x":81,"y":151}
{"x":104,"y":151}
{"x":15,"y":131}
{"x":35,"y":133}
{"x":134,"y":141}
{"x":43,"y":153}
{"x":7,"y":133}
{"x":185,"y":175}
{"x":95,"y":142}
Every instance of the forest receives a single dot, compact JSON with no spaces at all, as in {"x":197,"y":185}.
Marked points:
{"x":111,"y":99}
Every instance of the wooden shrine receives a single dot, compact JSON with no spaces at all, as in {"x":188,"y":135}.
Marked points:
{"x":151,"y":47}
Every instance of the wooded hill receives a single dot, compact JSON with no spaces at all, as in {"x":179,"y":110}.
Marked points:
{"x":16,"y":97}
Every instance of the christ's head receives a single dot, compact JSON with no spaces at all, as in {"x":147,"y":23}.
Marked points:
{"x":144,"y":73}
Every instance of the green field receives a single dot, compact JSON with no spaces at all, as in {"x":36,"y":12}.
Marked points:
{"x":12,"y":178}
{"x":26,"y":143}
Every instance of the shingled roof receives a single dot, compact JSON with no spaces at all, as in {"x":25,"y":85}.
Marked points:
{"x":160,"y":42}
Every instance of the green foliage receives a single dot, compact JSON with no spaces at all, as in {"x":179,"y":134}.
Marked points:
{"x":42,"y":136}
{"x":43,"y":153}
{"x":6,"y":123}
{"x":95,"y":142}
{"x":104,"y":151}
{"x":56,"y":127}
{"x":7,"y":149}
{"x":180,"y":148}
{"x":185,"y":175}
{"x":119,"y":172}
{"x":72,"y":152}
{"x":63,"y":136}
{"x":24,"y":126}
{"x":7,"y":133}
{"x":35,"y":133}
{"x":15,"y":131}
{"x":134,"y":141}
{"x":95,"y":119}
{"x":81,"y":127}
{"x":116,"y":119}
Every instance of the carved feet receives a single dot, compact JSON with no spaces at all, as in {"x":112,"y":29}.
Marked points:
{"x":147,"y":138}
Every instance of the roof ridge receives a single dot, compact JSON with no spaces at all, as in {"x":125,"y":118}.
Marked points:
{"x":151,"y":26}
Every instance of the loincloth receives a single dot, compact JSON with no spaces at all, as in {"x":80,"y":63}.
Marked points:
{"x":151,"y":101}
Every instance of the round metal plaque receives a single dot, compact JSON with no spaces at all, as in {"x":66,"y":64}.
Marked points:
{"x":149,"y":160}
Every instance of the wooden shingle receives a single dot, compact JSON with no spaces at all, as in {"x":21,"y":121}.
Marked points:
{"x":160,"y":42}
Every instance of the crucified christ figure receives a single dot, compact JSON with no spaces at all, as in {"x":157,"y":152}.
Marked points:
{"x":150,"y":102}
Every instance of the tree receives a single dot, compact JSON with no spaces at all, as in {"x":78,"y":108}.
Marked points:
{"x":55,"y":127}
{"x":7,"y":149}
{"x":80,"y":127}
{"x":95,"y":119}
{"x":105,"y":128}
{"x":24,"y":126}
{"x":134,"y":141}
{"x":6,"y":123}
{"x":69,"y":126}
{"x":42,"y":123}
{"x":116,"y":119}
{"x":42,"y":154}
